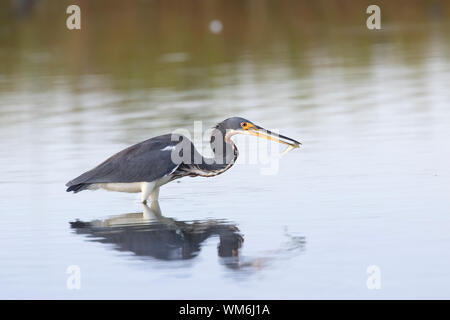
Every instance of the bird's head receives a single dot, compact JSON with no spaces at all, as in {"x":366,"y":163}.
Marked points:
{"x":237,"y":125}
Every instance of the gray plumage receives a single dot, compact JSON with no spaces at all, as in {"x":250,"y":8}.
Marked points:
{"x":145,"y":161}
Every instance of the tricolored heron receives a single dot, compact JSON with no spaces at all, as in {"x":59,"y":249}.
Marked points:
{"x":146,"y":166}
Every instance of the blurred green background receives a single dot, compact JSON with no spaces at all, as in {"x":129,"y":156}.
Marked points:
{"x":147,"y":44}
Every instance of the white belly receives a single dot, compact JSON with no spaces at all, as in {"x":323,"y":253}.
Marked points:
{"x":147,"y":188}
{"x":131,"y":187}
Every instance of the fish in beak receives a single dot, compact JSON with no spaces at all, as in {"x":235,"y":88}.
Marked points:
{"x":258,"y":131}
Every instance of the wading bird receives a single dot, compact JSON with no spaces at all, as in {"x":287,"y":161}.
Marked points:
{"x":146,"y":166}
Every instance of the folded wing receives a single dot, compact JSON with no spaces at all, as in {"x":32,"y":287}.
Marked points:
{"x":146,"y":161}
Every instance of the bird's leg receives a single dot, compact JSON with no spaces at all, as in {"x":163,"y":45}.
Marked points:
{"x":146,"y":189}
{"x":154,"y":212}
{"x":154,"y":195}
{"x":151,"y":213}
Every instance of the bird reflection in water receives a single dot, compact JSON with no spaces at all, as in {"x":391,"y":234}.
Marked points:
{"x":149,"y":234}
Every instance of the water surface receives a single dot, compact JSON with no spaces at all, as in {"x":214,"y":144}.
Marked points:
{"x":370,"y":185}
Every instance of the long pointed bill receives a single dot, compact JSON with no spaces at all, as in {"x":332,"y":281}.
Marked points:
{"x":264,"y":133}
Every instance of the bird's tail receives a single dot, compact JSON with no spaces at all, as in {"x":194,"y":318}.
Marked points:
{"x":78,"y":187}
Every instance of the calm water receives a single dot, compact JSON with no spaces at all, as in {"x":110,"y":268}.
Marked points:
{"x":370,"y":186}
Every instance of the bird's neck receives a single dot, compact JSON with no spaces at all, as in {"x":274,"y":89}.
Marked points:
{"x":225,"y":154}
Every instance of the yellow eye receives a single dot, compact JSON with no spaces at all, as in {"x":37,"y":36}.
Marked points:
{"x":244,"y":125}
